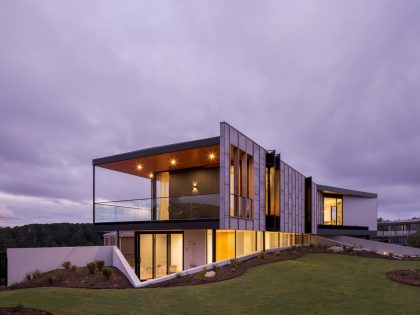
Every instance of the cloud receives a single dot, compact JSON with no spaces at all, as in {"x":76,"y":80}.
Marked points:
{"x":334,"y":88}
{"x":6,"y":213}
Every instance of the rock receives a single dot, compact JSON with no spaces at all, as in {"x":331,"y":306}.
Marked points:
{"x":336,"y":249}
{"x":210,"y":274}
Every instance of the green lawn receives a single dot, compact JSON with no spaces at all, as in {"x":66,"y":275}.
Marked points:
{"x":313,"y":284}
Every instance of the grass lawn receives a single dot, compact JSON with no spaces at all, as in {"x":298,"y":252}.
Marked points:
{"x":313,"y":284}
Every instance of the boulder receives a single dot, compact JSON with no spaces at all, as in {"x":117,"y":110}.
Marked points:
{"x":210,"y":274}
{"x":336,"y":249}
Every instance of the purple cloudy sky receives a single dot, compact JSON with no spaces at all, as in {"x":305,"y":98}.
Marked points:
{"x":334,"y":86}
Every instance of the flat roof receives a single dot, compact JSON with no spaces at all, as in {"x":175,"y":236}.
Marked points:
{"x":157,"y":150}
{"x":344,"y":191}
{"x":396,"y":222}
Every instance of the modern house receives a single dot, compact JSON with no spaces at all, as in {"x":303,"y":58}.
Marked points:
{"x":220,"y":198}
{"x":397,"y":231}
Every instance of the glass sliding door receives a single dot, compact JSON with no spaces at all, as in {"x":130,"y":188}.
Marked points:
{"x":146,"y":256}
{"x":158,"y":254}
{"x":161,"y":250}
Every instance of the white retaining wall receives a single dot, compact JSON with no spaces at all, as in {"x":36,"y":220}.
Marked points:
{"x":367,"y":244}
{"x":24,"y":260}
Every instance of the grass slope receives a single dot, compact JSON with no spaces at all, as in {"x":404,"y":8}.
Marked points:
{"x":313,"y":284}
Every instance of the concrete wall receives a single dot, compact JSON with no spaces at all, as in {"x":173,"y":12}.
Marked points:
{"x":292,"y":199}
{"x":359,"y":211}
{"x":228,"y":136}
{"x":194,"y":248}
{"x":24,"y":260}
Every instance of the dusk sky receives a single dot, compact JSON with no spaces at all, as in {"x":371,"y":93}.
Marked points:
{"x":332,"y":85}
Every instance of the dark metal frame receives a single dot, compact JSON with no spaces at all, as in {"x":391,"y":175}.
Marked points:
{"x":137,"y":257}
{"x":3,"y":269}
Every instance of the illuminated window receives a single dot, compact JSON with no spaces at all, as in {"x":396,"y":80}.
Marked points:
{"x":333,"y":210}
{"x":225,"y":245}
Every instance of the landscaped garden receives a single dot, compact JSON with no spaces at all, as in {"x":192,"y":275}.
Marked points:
{"x":312,"y":284}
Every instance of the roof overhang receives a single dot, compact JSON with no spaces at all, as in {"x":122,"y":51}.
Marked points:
{"x":149,"y":161}
{"x":346,"y":192}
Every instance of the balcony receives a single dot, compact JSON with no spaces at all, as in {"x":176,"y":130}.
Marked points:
{"x":193,"y":207}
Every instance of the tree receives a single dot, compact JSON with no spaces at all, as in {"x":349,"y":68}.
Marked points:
{"x":414,"y":239}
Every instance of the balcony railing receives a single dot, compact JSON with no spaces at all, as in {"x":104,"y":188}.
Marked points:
{"x":158,"y":209}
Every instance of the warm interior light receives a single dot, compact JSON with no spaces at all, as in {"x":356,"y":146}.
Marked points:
{"x":195,"y":189}
{"x":151,"y":175}
{"x":139,"y":167}
{"x":173,"y":162}
{"x":212,"y":156}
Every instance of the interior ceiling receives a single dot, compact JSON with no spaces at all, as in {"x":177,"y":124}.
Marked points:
{"x":197,"y":157}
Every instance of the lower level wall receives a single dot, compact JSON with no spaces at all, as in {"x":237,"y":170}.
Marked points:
{"x":24,"y":260}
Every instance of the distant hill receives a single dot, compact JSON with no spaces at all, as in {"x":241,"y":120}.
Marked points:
{"x":49,"y":235}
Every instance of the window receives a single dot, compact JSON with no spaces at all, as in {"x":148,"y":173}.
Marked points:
{"x":241,"y":182}
{"x":245,"y":243}
{"x":225,"y":245}
{"x":333,"y":210}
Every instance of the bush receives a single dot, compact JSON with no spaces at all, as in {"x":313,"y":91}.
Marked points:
{"x":28,"y":276}
{"x":66,"y":265}
{"x":74,"y":268}
{"x":50,"y":280}
{"x":60,"y":276}
{"x":107,"y":272}
{"x":178,"y":275}
{"x":17,"y":309}
{"x":36,"y":274}
{"x":100,"y":264}
{"x":91,"y":267}
{"x":414,"y":239}
{"x":261,"y":256}
{"x":235,"y":262}
{"x":200,"y":275}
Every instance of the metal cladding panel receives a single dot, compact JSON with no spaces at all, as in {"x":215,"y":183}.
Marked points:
{"x":292,"y":200}
{"x":282,"y":194}
{"x":230,"y":136}
{"x":317,"y":212}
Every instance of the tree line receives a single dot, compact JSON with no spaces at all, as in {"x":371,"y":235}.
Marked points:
{"x":49,"y":235}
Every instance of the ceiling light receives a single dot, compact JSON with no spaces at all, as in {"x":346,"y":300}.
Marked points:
{"x":173,"y":162}
{"x":151,"y":175}
{"x":139,"y":167}
{"x":212,"y":156}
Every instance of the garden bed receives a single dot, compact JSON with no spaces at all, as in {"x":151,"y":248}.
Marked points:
{"x":20,"y":310}
{"x":411,"y":277}
{"x":80,"y":278}
{"x":237,"y":267}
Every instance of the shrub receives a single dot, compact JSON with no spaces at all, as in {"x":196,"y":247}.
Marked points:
{"x":261,"y":256}
{"x":414,"y":239}
{"x":293,"y":247}
{"x":107,"y":272}
{"x":235,"y":262}
{"x":17,"y":308}
{"x":36,"y":274}
{"x":28,"y":276}
{"x":100,"y":264}
{"x":50,"y":280}
{"x":66,"y":264}
{"x":74,"y":268}
{"x":60,"y":276}
{"x":91,"y":267}
{"x":178,"y":275}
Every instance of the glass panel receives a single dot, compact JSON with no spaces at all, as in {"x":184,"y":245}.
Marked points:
{"x":339,"y":211}
{"x":146,"y":256}
{"x":245,"y":243}
{"x":174,"y":208}
{"x":161,"y":255}
{"x":330,"y":205}
{"x":271,"y":240}
{"x":175,"y":264}
{"x":209,"y":246}
{"x":225,"y":245}
{"x":260,"y":241}
{"x":162,"y":193}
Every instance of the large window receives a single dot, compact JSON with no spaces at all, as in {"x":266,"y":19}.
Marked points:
{"x":241,"y":183}
{"x":225,"y":245}
{"x":333,"y":210}
{"x":245,"y":243}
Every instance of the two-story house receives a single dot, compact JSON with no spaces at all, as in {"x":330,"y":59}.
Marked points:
{"x":220,"y":198}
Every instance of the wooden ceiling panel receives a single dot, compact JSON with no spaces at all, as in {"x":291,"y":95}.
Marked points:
{"x":197,"y":157}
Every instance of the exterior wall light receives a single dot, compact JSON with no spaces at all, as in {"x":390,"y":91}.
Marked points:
{"x":195,"y":189}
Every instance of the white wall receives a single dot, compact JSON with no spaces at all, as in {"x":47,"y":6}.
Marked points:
{"x":23,"y":260}
{"x":359,"y":211}
{"x":194,"y":248}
